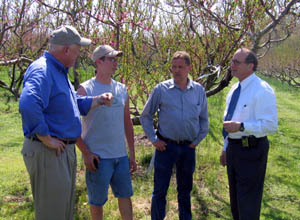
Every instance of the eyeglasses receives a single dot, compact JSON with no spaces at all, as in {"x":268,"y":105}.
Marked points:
{"x":237,"y":62}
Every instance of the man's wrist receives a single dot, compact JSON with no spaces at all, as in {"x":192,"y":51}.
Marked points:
{"x":99,"y":100}
{"x":242,"y":128}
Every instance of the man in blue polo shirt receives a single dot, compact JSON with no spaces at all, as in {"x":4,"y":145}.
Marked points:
{"x":50,"y":112}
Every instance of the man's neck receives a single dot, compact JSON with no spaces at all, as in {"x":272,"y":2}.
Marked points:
{"x":245,"y":76}
{"x":58,"y":56}
{"x":103,"y":78}
{"x":182,"y":84}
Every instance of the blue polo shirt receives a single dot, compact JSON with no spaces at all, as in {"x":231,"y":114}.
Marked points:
{"x":48,"y":102}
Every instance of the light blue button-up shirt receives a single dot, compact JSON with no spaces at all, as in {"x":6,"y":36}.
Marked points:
{"x":182,"y":114}
{"x":48,"y":103}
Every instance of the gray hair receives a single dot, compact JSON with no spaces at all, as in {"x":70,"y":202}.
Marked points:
{"x":56,"y":47}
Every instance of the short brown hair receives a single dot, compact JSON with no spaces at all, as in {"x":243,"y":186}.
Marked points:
{"x":182,"y":55}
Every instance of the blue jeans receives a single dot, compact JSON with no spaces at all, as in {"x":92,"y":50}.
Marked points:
{"x":183,"y":157}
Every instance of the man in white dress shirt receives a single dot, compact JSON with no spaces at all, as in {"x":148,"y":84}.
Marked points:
{"x":246,"y":145}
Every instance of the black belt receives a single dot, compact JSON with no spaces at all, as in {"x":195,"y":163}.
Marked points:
{"x":64,"y":140}
{"x":167,"y":140}
{"x":246,"y":141}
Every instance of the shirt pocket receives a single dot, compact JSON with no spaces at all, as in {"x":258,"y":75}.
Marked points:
{"x":27,"y":153}
{"x":194,"y":112}
{"x":245,"y":112}
{"x":28,"y":156}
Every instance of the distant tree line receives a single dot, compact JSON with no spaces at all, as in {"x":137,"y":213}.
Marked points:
{"x":283,"y":61}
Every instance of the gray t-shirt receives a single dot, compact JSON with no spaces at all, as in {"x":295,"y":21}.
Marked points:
{"x":103,"y":127}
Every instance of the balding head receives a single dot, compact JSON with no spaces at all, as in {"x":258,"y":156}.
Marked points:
{"x":243,"y":64}
{"x":250,"y":57}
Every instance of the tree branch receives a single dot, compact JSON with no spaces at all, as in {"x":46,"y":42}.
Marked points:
{"x":270,"y":26}
{"x":14,"y":61}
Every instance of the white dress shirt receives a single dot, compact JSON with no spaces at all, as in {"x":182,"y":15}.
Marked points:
{"x":256,"y":108}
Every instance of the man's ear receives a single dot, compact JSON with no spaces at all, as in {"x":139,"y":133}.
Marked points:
{"x":66,"y":49}
{"x":251,"y":66}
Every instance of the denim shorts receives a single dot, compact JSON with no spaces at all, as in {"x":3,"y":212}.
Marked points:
{"x":114,"y":172}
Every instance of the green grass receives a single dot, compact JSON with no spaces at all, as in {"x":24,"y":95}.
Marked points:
{"x":210,"y":198}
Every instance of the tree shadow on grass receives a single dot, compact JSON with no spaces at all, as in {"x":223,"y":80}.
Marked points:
{"x":213,"y":130}
{"x":11,"y":146}
{"x":276,"y":213}
{"x":275,"y":202}
{"x":15,"y":205}
{"x":285,"y":162}
{"x":205,"y":211}
{"x":288,"y":182}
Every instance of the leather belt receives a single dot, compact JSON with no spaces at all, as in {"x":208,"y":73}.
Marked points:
{"x":246,"y":141}
{"x":64,"y":140}
{"x":167,"y":140}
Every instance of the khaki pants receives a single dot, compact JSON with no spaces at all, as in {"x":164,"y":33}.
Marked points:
{"x":52,"y":180}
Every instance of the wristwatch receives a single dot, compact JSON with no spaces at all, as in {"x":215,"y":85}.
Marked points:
{"x":242,"y":128}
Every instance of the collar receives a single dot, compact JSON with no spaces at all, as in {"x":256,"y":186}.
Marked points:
{"x":56,"y":62}
{"x":248,"y":80}
{"x":174,"y":85}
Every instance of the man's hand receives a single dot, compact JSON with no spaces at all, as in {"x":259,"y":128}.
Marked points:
{"x":223,"y":158}
{"x":133,"y":165}
{"x":231,"y":126}
{"x":53,"y":143}
{"x":105,"y":99}
{"x":89,"y":161}
{"x":160,"y":145}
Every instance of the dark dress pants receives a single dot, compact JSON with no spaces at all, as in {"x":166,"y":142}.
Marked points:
{"x":246,"y":168}
{"x":184,"y":158}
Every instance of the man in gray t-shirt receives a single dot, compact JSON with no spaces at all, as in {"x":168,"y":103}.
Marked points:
{"x":102,"y":141}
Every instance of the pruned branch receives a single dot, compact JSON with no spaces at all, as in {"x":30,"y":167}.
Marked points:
{"x":15,"y":61}
{"x":258,"y":36}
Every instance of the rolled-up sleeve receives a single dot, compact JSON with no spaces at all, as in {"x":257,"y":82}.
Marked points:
{"x":84,"y":104}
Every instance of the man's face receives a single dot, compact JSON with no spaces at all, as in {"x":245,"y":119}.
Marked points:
{"x":180,"y":70}
{"x":109,"y":65}
{"x":73,"y":52}
{"x":239,"y":68}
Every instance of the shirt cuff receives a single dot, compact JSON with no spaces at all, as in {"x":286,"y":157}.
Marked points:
{"x":154,"y":138}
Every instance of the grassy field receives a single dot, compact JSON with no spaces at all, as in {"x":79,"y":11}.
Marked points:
{"x":210,"y":198}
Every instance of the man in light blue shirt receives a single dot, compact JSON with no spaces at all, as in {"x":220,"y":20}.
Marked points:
{"x":50,"y":112}
{"x":182,"y":124}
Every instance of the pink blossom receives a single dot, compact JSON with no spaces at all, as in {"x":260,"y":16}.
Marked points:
{"x":112,"y":43}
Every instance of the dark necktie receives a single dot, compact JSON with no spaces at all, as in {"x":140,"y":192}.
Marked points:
{"x":231,"y":108}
